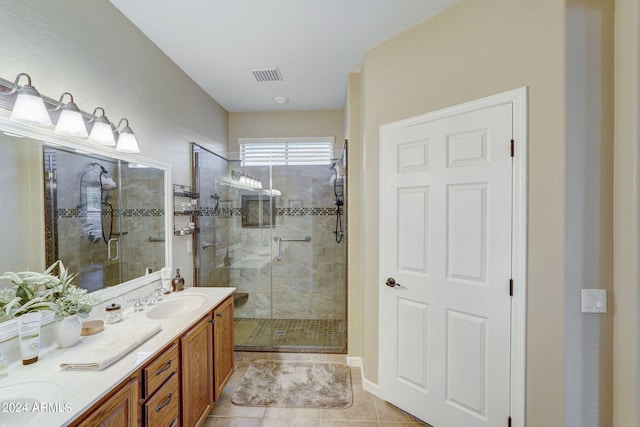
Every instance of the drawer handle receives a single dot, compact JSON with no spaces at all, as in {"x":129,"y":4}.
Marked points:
{"x":219,"y":314}
{"x":174,"y":423}
{"x":165,"y":404}
{"x":164,"y":368}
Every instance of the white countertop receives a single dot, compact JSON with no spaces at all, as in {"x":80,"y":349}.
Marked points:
{"x":69,"y":393}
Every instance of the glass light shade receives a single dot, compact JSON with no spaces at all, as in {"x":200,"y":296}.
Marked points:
{"x":71,"y":122}
{"x":127,"y":142}
{"x":29,"y":108}
{"x":101,"y":132}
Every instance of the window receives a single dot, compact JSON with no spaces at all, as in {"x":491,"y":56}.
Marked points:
{"x":285,"y":151}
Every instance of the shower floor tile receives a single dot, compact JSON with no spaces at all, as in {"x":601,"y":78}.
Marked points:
{"x":292,"y":334}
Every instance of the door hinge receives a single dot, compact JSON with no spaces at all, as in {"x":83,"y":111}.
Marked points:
{"x":513,"y":148}
{"x":510,"y":287}
{"x":509,"y":422}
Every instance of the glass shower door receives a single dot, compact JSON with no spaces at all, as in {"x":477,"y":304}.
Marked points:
{"x":82,"y":196}
{"x":248,"y":253}
{"x":308,"y":265}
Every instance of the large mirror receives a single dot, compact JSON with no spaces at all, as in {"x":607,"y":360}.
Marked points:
{"x":103,"y":214}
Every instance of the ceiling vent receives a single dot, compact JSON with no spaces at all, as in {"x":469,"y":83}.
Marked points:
{"x":267,"y":74}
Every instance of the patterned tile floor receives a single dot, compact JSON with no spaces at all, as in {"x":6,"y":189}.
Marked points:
{"x":319,"y":334}
{"x":367,"y":409}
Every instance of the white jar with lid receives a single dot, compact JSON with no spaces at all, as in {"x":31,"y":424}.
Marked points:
{"x":114,"y":313}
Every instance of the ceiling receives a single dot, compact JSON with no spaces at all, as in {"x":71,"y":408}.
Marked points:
{"x":313,"y":43}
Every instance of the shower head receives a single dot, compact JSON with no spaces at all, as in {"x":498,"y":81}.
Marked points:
{"x":100,"y":167}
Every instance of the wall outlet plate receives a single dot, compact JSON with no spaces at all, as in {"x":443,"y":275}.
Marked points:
{"x":594,"y":300}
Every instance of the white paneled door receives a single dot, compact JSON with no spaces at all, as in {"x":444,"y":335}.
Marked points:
{"x":445,"y":266}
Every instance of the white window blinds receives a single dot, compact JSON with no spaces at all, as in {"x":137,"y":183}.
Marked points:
{"x":286,"y":151}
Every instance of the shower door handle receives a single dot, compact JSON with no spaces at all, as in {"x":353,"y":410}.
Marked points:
{"x":279,"y":241}
{"x":111,"y":258}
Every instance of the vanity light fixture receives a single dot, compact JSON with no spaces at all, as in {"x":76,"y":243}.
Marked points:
{"x":101,"y":133}
{"x":29,"y":106}
{"x":127,"y":142}
{"x":70,"y":121}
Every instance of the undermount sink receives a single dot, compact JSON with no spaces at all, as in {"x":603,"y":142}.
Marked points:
{"x":176,"y":305}
{"x":24,"y":400}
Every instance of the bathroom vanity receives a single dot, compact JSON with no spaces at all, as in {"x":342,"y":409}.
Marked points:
{"x":173,"y":378}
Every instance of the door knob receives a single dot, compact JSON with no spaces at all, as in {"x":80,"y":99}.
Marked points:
{"x":391,"y":282}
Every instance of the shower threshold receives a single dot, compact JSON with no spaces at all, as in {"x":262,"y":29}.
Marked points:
{"x":290,"y":335}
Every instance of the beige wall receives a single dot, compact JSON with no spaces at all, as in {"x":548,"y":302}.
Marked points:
{"x":286,"y":124}
{"x":91,"y":50}
{"x":21,"y":164}
{"x":626,"y":301}
{"x":353,"y":123}
{"x":474,"y":50}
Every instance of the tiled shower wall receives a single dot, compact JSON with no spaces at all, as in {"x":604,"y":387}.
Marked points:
{"x":310,"y":280}
{"x":143,"y":218}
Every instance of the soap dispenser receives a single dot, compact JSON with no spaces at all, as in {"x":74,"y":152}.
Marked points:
{"x":178,"y":282}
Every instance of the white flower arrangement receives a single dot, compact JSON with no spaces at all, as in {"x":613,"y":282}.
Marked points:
{"x":45,"y":291}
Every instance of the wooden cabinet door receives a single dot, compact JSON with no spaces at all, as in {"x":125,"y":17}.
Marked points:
{"x":197,"y":373}
{"x":118,"y":410}
{"x":223,"y":356}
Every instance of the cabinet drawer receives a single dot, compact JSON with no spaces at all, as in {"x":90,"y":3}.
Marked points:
{"x":159,"y":370}
{"x":163,"y":408}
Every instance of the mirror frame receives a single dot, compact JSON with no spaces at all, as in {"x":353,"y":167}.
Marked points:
{"x":45,"y":135}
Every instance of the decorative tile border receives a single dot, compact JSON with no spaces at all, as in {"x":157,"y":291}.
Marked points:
{"x":68,"y":213}
{"x":305,"y":211}
{"x":226,"y":212}
{"x":130,"y":213}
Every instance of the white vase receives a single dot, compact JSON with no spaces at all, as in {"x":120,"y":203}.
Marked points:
{"x":68,"y":331}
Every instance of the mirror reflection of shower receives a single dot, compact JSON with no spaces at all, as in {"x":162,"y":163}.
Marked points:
{"x":97,"y":186}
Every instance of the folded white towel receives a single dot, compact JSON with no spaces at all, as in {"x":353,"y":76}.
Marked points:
{"x":105,"y":352}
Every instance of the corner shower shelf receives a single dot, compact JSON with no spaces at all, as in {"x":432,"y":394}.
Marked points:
{"x":180,"y":190}
{"x":190,"y":212}
{"x":189,"y":194}
{"x":185,"y":191}
{"x":186,"y":232}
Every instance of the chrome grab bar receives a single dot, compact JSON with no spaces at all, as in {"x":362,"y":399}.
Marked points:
{"x":206,"y":245}
{"x":279,"y":241}
{"x":156,"y":239}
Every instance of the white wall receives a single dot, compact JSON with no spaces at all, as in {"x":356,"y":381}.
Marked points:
{"x":90,"y":49}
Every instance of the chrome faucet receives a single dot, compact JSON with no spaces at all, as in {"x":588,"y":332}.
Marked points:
{"x":137,"y":306}
{"x":158,"y":293}
{"x":153,"y":297}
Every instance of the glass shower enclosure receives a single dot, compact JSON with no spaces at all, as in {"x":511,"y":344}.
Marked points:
{"x":273,"y":231}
